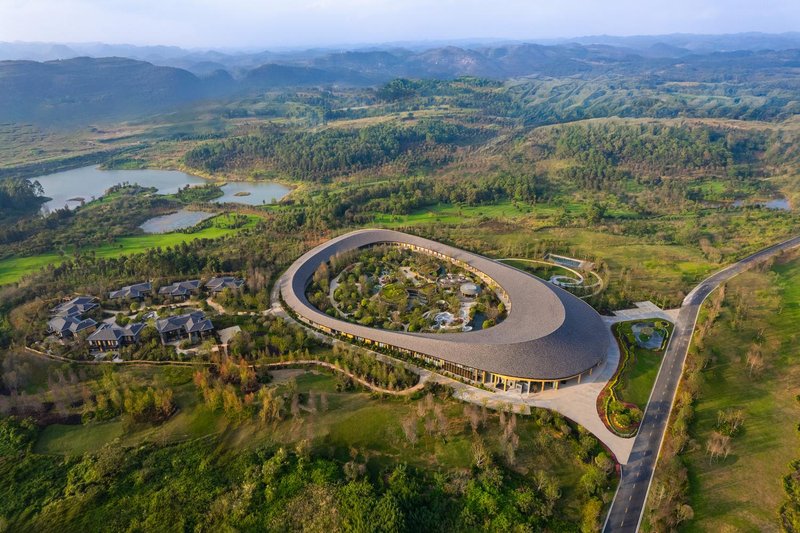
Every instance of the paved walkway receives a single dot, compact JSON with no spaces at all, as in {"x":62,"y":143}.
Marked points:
{"x":578,"y":402}
{"x":645,"y":310}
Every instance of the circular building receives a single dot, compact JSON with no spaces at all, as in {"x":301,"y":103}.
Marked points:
{"x":548,"y":337}
{"x":470,"y":290}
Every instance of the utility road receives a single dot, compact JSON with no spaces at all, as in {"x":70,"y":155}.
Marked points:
{"x":628,"y":505}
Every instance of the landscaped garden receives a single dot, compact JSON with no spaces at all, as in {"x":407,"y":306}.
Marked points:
{"x":393,"y":288}
{"x":642,"y":344}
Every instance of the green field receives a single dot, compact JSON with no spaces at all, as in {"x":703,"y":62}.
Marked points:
{"x":457,"y":214}
{"x":743,"y":491}
{"x":636,"y":270}
{"x":14,"y":268}
{"x":454,"y":214}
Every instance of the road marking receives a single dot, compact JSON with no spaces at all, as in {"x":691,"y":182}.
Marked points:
{"x":679,"y":346}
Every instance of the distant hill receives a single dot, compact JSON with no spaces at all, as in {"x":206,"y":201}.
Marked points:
{"x":671,"y":45}
{"x":83,"y":90}
{"x":271,"y":76}
{"x":87,"y":89}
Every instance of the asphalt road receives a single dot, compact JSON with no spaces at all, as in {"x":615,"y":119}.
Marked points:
{"x":628,"y":505}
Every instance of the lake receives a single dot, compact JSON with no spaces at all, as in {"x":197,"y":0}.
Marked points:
{"x":69,"y":187}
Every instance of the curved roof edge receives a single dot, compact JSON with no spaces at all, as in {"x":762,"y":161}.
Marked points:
{"x":549,"y":334}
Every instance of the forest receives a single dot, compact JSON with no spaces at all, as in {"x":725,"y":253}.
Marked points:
{"x":321,"y":156}
{"x":19,"y":197}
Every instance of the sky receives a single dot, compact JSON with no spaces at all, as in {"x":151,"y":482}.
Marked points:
{"x":248,"y":24}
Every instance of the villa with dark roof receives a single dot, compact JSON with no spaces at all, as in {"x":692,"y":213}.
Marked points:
{"x":193,"y":326}
{"x":224,"y":282}
{"x":133,"y":292}
{"x":67,"y":327}
{"x":180,"y":289}
{"x":75,"y":307}
{"x":112,"y":336}
{"x":549,"y":337}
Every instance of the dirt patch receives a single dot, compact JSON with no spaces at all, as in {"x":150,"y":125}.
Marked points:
{"x":285,"y":374}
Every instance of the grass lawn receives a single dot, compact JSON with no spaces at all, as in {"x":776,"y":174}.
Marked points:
{"x":541,"y":270}
{"x":14,"y":268}
{"x":636,"y":383}
{"x":744,"y":492}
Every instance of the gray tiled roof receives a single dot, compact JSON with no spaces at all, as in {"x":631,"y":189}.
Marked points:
{"x":77,"y":306}
{"x":193,"y":322}
{"x":224,"y":282}
{"x":72,"y":324}
{"x":180,"y":288}
{"x":137,"y":290}
{"x":114,"y":332}
{"x":548,"y":334}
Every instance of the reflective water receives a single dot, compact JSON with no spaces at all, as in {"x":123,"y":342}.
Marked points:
{"x":175,"y":221}
{"x":781,"y":204}
{"x":71,"y":187}
{"x":252,"y":193}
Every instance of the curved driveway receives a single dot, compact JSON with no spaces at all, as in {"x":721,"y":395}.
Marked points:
{"x":628,"y":505}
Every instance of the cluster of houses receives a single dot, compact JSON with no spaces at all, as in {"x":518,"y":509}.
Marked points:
{"x":180,"y":290}
{"x":68,"y":320}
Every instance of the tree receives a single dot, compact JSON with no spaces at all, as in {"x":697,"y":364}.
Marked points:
{"x":481,"y":458}
{"x":272,"y":405}
{"x":473,"y":415}
{"x":685,"y":513}
{"x":441,"y":419}
{"x":590,"y":515}
{"x":718,"y":445}
{"x":755,"y":360}
{"x":593,"y":480}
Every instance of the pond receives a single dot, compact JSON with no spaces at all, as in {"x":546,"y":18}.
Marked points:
{"x":175,"y":221}
{"x":780,"y":204}
{"x":71,"y":187}
{"x":252,"y":193}
{"x":648,"y":335}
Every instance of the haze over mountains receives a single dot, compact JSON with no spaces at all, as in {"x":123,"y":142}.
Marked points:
{"x":52,"y":83}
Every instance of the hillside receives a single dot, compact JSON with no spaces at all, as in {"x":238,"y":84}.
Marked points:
{"x":87,"y":89}
{"x":82,"y":90}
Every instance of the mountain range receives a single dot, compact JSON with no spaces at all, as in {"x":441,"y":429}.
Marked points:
{"x":135,"y":81}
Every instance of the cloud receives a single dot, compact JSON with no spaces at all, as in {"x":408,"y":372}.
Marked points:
{"x":274,"y":23}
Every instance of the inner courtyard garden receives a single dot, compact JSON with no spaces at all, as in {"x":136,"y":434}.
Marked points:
{"x":394,"y":288}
